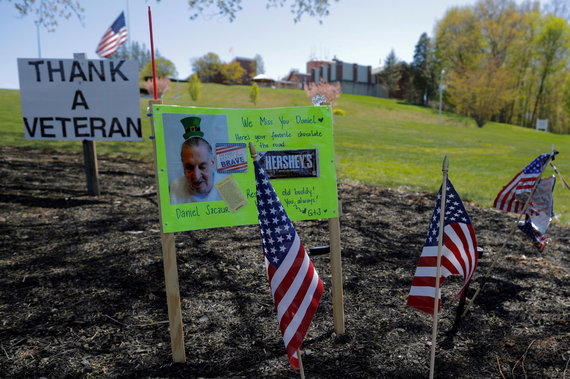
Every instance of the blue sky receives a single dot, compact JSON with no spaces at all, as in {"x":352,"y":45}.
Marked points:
{"x":356,"y":31}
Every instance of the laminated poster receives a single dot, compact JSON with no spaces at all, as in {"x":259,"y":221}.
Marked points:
{"x":202,"y":151}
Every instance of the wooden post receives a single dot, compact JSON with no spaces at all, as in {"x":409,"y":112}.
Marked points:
{"x":91,"y":169}
{"x":301,"y":370}
{"x":170,"y":269}
{"x":90,"y":156}
{"x":336,"y":275}
{"x":438,"y":268}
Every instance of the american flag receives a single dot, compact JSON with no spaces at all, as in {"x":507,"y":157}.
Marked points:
{"x":295,"y":285}
{"x":458,"y":254}
{"x":114,"y":37}
{"x":521,"y":184}
{"x":539,"y":240}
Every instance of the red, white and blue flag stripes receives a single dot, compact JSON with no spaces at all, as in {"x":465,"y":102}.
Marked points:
{"x":114,"y":37}
{"x":523,"y":182}
{"x":458,"y":257}
{"x":295,"y":284}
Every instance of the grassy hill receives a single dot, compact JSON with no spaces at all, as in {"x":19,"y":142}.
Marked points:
{"x":378,"y":141}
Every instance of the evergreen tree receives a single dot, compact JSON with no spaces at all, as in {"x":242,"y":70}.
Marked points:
{"x":391,"y":73}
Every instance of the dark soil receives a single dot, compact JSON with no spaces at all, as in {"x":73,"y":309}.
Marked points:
{"x":82,"y":287}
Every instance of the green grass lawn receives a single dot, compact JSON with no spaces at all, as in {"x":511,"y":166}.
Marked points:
{"x":378,"y":141}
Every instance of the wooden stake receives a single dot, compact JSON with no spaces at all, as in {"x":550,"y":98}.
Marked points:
{"x":438,"y":269}
{"x":91,"y":168}
{"x":513,"y":228}
{"x":90,"y":155}
{"x":170,"y":270}
{"x":301,"y":371}
{"x":336,"y":275}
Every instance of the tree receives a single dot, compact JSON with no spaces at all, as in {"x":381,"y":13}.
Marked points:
{"x":552,"y":45}
{"x":254,"y":93}
{"x":229,"y":8}
{"x":259,"y":67}
{"x":391,"y":73}
{"x":49,"y":11}
{"x":423,"y":72}
{"x":329,"y":90}
{"x":232,"y":73}
{"x":482,"y":92}
{"x":137,"y":52}
{"x":163,"y":68}
{"x":194,"y":87}
{"x":162,"y":85}
{"x":208,"y":68}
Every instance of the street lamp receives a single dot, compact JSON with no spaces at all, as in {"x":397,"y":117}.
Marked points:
{"x":440,"y":93}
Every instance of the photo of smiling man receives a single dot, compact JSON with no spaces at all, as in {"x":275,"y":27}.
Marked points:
{"x":199,"y":167}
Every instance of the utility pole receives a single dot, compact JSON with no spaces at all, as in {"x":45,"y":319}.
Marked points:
{"x":440,"y":93}
{"x":37,"y":22}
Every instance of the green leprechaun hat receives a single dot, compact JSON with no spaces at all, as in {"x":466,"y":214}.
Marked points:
{"x":192,"y":127}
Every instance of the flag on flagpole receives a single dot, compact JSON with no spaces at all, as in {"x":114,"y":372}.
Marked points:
{"x":510,"y":198}
{"x":295,"y":285}
{"x":458,"y":257}
{"x":114,"y":37}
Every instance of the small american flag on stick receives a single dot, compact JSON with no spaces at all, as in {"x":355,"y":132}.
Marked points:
{"x":522,"y":183}
{"x":459,"y":252}
{"x":114,"y":37}
{"x":295,"y":285}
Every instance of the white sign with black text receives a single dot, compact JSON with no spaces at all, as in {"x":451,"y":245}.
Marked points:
{"x":80,"y":99}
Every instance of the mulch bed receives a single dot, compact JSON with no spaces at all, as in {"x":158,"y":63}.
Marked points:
{"x":82,"y":287}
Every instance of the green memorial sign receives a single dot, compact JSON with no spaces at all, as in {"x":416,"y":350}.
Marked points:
{"x":205,"y":172}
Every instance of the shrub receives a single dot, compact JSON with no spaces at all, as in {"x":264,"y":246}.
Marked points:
{"x":195,"y":87}
{"x":331,"y":91}
{"x":254,"y":93}
{"x":161,"y":86}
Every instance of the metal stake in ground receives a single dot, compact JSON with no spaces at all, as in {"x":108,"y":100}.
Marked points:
{"x":438,"y":269}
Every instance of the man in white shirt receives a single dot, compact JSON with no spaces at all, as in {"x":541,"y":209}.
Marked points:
{"x":199,"y":164}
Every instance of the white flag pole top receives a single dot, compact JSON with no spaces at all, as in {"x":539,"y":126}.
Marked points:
{"x":444,"y":169}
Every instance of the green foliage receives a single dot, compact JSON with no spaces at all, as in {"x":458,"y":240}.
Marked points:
{"x":511,"y":53}
{"x":254,"y":93}
{"x":194,"y":87}
{"x":391,"y":73}
{"x":232,"y":73}
{"x":47,"y":12}
{"x":229,"y":8}
{"x":163,"y":68}
{"x":208,"y":68}
{"x":424,"y":82}
{"x":338,"y":112}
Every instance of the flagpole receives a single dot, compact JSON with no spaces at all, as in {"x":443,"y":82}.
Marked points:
{"x":564,"y":184}
{"x":301,"y":371}
{"x":513,"y":228}
{"x":152,"y":54}
{"x":444,"y":169}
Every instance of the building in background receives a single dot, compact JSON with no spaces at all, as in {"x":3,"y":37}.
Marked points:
{"x":354,"y":78}
{"x":249,"y":66}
